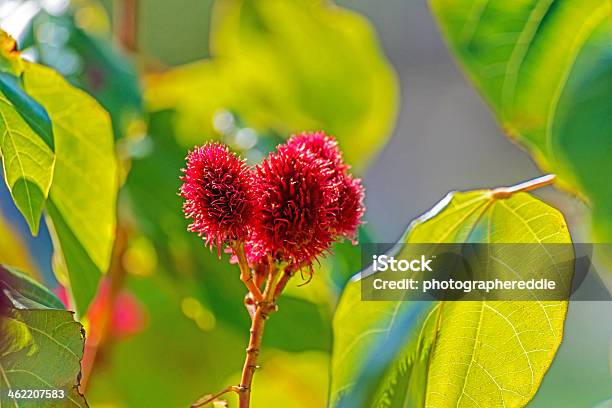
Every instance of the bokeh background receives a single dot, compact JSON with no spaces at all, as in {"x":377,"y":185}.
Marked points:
{"x":173,"y":342}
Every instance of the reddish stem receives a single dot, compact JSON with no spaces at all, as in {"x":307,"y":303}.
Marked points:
{"x":259,"y":310}
{"x":252,"y":353}
{"x":282,"y":282}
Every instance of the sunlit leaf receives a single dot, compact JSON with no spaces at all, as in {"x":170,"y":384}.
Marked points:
{"x":82,"y":198}
{"x":545,"y":67}
{"x":26,"y":139}
{"x":479,"y":353}
{"x":27,"y":162}
{"x":286,"y":66}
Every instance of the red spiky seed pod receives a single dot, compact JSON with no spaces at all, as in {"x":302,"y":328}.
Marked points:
{"x":218,"y":192}
{"x":307,"y":200}
{"x":350,"y":206}
{"x":322,"y":145}
{"x":295,"y":189}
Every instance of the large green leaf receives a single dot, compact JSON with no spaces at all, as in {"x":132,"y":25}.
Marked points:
{"x":42,"y":114}
{"x":41,"y":346}
{"x":27,"y":162}
{"x":26,"y":139}
{"x":545,"y":67}
{"x":462,"y":353}
{"x":286,"y":66}
{"x":40,"y":349}
{"x":82,"y":199}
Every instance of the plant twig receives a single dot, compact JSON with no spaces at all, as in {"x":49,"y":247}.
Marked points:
{"x":252,"y":352}
{"x":207,"y":399}
{"x":259,"y":309}
{"x":246,"y":275}
{"x":505,"y":192}
{"x":281,"y":284}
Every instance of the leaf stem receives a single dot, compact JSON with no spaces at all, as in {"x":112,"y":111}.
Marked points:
{"x":281,"y":285}
{"x":259,"y":310}
{"x":505,"y":192}
{"x":206,"y":399}
{"x":246,"y":275}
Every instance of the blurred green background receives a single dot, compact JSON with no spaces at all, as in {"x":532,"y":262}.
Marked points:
{"x":179,"y":328}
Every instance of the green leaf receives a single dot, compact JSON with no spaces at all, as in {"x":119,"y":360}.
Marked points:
{"x":545,"y":67}
{"x":82,"y":199}
{"x":283,"y":67}
{"x":24,"y":292}
{"x":41,"y":112}
{"x":478,"y":353}
{"x":41,"y":346}
{"x":31,"y":111}
{"x":26,"y":144}
{"x":40,"y":349}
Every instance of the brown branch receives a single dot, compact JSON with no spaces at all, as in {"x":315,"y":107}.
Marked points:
{"x":259,"y":310}
{"x":252,"y":352}
{"x":262,"y":311}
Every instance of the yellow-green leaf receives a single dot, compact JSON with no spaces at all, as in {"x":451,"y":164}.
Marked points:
{"x":26,"y":138}
{"x":459,"y":354}
{"x":82,"y":199}
{"x":27,"y":162}
{"x":544,"y":66}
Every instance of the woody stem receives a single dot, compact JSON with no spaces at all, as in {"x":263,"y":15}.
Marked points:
{"x":252,"y":354}
{"x":264,"y":308}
